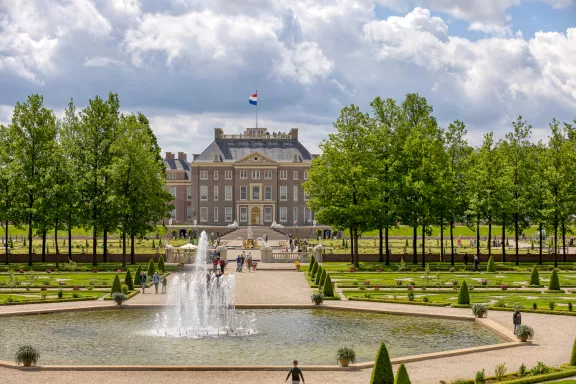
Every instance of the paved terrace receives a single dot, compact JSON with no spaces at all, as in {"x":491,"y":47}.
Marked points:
{"x":552,"y":344}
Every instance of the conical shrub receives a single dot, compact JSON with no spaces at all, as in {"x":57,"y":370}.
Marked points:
{"x":463,"y":294}
{"x":314,"y":270}
{"x":318,"y":276}
{"x":382,"y":372}
{"x":534,"y":276}
{"x":554,"y":282}
{"x":328,"y":289}
{"x":151,"y":268}
{"x":161,"y":266}
{"x":137,"y":281}
{"x":322,"y":278}
{"x":402,"y":375}
{"x":311,"y":266}
{"x":128,"y":280}
{"x":116,"y":287}
{"x":491,"y":267}
{"x":573,"y":357}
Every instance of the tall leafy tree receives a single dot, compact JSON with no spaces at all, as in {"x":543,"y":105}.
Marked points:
{"x":8,"y":190}
{"x":538,"y":198}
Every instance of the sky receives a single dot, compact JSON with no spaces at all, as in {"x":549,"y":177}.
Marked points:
{"x":190,"y":65}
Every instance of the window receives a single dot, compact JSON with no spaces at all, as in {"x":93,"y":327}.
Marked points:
{"x":305,"y":175}
{"x":243,"y":193}
{"x":189,"y":193}
{"x":295,"y":193}
{"x":173,"y":191}
{"x":295,"y":157}
{"x":255,"y":192}
{"x":216,"y":157}
{"x":171,"y":175}
{"x":228,"y":214}
{"x":283,"y":175}
{"x":228,"y":175}
{"x":283,"y":214}
{"x":243,"y":214}
{"x":283,"y":192}
{"x":268,"y":174}
{"x":306,"y":197}
{"x":215,"y":213}
{"x":204,"y":214}
{"x":267,"y":213}
{"x":228,"y":193}
{"x":215,"y":193}
{"x":243,"y":174}
{"x":173,"y":214}
{"x":307,"y":215}
{"x":203,"y":175}
{"x":267,"y":193}
{"x":189,"y":213}
{"x":295,"y":215}
{"x":215,"y":175}
{"x":204,"y":193}
{"x":255,"y":174}
{"x":295,"y":175}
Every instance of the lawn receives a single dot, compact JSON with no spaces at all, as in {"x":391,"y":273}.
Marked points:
{"x":459,"y":230}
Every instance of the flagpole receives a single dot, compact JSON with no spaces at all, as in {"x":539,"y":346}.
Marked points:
{"x":256,"y":108}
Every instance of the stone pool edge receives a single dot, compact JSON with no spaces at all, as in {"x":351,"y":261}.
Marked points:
{"x":485,"y":322}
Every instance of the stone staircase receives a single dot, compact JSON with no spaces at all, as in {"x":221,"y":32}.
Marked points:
{"x":256,"y":233}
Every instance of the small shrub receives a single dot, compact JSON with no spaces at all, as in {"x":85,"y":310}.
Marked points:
{"x":411,"y":296}
{"x":554,"y":281}
{"x":534,"y":306}
{"x":75,"y":295}
{"x":361,"y":288}
{"x":573,"y":357}
{"x":570,"y":307}
{"x":452,"y":269}
{"x":90,"y":288}
{"x":43,"y":295}
{"x":346,"y":353}
{"x":382,"y":372}
{"x":479,"y":310}
{"x":463,"y":295}
{"x":551,"y":305}
{"x":500,"y":371}
{"x":540,"y":369}
{"x":60,"y":293}
{"x":125,"y":289}
{"x":534,"y":276}
{"x":318,"y":275}
{"x":27,"y":355}
{"x":491,"y":267}
{"x":137,"y":276}
{"x":317,"y":298}
{"x":522,"y":370}
{"x":128,"y":281}
{"x":314,"y":270}
{"x":161,"y":266}
{"x":322,"y":278}
{"x":499,"y":304}
{"x":328,"y":289}
{"x":119,"y":297}
{"x":426,"y":299}
{"x":402,"y":375}
{"x":116,"y":285}
{"x":480,"y":377}
{"x":151,"y":268}
{"x":524,"y":331}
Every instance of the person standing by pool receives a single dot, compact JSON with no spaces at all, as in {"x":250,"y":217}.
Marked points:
{"x":215,"y":261}
{"x":249,"y":261}
{"x":296,"y":374}
{"x":164,"y":283}
{"x":222,"y":265}
{"x":238,"y":263}
{"x":143,"y":278}
{"x":517,"y":318}
{"x":243,"y":259}
{"x":156,"y":281}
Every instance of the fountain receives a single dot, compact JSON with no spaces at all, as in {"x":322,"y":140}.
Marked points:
{"x":202,"y":303}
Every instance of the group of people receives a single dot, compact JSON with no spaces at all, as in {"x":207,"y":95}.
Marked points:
{"x":156,"y":280}
{"x":217,"y":261}
{"x":245,"y":259}
{"x":294,"y":244}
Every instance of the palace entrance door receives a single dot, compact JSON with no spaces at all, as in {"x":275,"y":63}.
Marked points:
{"x":255,"y":216}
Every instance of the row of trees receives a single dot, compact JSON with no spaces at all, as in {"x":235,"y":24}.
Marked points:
{"x":398,"y":166}
{"x":96,"y":168}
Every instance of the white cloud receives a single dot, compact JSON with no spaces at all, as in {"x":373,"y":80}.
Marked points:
{"x":304,"y":63}
{"x":100,"y":61}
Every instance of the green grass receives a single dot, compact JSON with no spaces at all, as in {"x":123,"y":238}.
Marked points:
{"x":76,"y":231}
{"x":80,"y":267}
{"x":566,"y":382}
{"x":458,"y":231}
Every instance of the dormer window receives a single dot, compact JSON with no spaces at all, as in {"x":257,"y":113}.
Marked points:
{"x":295,"y":158}
{"x":216,"y":157}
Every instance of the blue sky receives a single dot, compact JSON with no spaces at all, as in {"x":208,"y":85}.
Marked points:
{"x":190,"y":65}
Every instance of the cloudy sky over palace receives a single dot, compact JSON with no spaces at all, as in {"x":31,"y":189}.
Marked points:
{"x":190,"y":65}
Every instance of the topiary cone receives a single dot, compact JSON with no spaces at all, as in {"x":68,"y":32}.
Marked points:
{"x":116,"y":287}
{"x":554,"y":282}
{"x":534,"y":276}
{"x":161,"y":266}
{"x":137,"y":281}
{"x":463,"y":294}
{"x":491,"y":267}
{"x":402,"y":375}
{"x":151,"y":268}
{"x":573,"y":357}
{"x":382,"y":372}
{"x":322,"y":278}
{"x":128,"y":280}
{"x":311,"y":267}
{"x":314,"y":271}
{"x":318,"y":276}
{"x":328,"y":289}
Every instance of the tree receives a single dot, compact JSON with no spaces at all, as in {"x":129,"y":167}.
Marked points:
{"x":534,"y":276}
{"x":402,"y":375}
{"x":328,"y":290}
{"x":382,"y":372}
{"x":32,"y":136}
{"x":151,"y":268}
{"x":538,"y":198}
{"x":116,"y":286}
{"x":554,"y":284}
{"x":137,"y":281}
{"x":161,"y":266}
{"x":463,"y":294}
{"x":8,"y":191}
{"x":128,"y":280}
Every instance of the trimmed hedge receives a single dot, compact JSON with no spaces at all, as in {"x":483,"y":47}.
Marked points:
{"x":161,"y":266}
{"x":314,"y":270}
{"x":116,"y":286}
{"x":534,"y":276}
{"x":554,"y":282}
{"x":328,"y":290}
{"x":573,"y":357}
{"x":40,"y":301}
{"x":463,"y":294}
{"x":318,"y":276}
{"x":311,"y":265}
{"x":151,"y":268}
{"x":128,"y":280}
{"x":491,"y":267}
{"x":137,"y":281}
{"x":382,"y":372}
{"x":322,"y":278}
{"x":129,"y":295}
{"x":541,"y":378}
{"x":544,"y":312}
{"x":402,"y":375}
{"x":397,"y":301}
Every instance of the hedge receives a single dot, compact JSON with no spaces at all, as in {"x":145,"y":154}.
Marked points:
{"x":116,"y":286}
{"x":40,"y":301}
{"x":397,"y":301}
{"x":534,"y":276}
{"x":573,"y":357}
{"x":541,"y":378}
{"x":463,"y":295}
{"x":491,"y":267}
{"x":382,"y":372}
{"x":318,"y":275}
{"x":328,"y":290}
{"x":402,"y":375}
{"x":161,"y":266}
{"x":544,"y":312}
{"x":151,"y":268}
{"x":128,"y":280}
{"x":137,"y":281}
{"x":554,"y":282}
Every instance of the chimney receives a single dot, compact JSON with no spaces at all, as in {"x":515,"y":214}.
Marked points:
{"x":294,"y":133}
{"x":181,"y":156}
{"x":195,"y":156}
{"x":218,"y":133}
{"x":169,"y":156}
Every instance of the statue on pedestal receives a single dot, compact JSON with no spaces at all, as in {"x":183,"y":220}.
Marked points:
{"x":249,"y":233}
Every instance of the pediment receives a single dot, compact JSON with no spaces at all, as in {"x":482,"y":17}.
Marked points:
{"x":256,"y":158}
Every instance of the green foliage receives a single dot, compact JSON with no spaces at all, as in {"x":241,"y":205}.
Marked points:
{"x":128,"y":281}
{"x":382,"y":372}
{"x":463,"y":294}
{"x":534,"y":276}
{"x":314,"y":270}
{"x":480,"y":377}
{"x":137,"y":281}
{"x":151,"y":268}
{"x":522,"y":370}
{"x":479,"y":310}
{"x":322,"y":278}
{"x":491,"y":267}
{"x":540,"y":369}
{"x":551,"y":305}
{"x":328,"y":289}
{"x":500,"y":371}
{"x":161,"y":266}
{"x":402,"y":375}
{"x":318,"y":233}
{"x":153,"y":244}
{"x":410,"y":296}
{"x":60,"y":293}
{"x":119,"y":297}
{"x":318,"y":276}
{"x":116,"y":286}
{"x":573,"y":356}
{"x":311,"y":266}
{"x":524,"y":331}
{"x":554,"y":281}
{"x":346,"y":353}
{"x":125,"y":289}
{"x":27,"y":355}
{"x":317,"y":298}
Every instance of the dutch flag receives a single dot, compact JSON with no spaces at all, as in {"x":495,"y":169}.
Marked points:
{"x":253,"y":99}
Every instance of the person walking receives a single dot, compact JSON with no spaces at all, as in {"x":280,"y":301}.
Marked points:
{"x":476,"y":263}
{"x":222,"y":265}
{"x":466,"y":259}
{"x":215,"y":262}
{"x":249,"y":261}
{"x":143,"y":279}
{"x":243,"y":257}
{"x":164,"y":283}
{"x":516,"y":318}
{"x":296,"y":374}
{"x":156,"y":281}
{"x":238,"y":263}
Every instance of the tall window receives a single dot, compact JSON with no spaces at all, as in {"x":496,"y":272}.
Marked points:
{"x":173,"y":191}
{"x":283,"y":214}
{"x":215,"y":213}
{"x":171,"y":175}
{"x":243,"y":193}
{"x":283,"y":193}
{"x":228,"y":214}
{"x":173,"y":214}
{"x":228,"y":175}
{"x":215,"y":175}
{"x":267,"y":193}
{"x":255,"y":192}
{"x":283,"y":175}
{"x":204,"y":214}
{"x":215,"y":193}
{"x":307,"y":215}
{"x":267,"y":213}
{"x":305,"y":175}
{"x":244,"y":174}
{"x":189,"y":193}
{"x":255,"y":174}
{"x":306,"y":197}
{"x":204,"y":192}
{"x":295,"y":215}
{"x":228,"y":193}
{"x":243,"y":214}
{"x":295,"y":193}
{"x":295,"y":175}
{"x":268,"y":174}
{"x":189,"y":213}
{"x":203,"y":175}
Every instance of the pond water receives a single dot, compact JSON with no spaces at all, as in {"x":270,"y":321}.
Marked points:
{"x":131,"y":337}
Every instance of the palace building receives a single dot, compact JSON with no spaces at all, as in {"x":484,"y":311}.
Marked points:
{"x":253,"y":178}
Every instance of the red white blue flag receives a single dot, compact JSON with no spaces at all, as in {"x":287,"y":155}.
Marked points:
{"x":253,"y":99}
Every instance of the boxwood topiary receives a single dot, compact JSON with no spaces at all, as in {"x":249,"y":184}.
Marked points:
{"x":554,"y":281}
{"x":311,"y":266}
{"x":116,"y":287}
{"x":491,"y":267}
{"x":463,"y":295}
{"x":137,"y":281}
{"x":534,"y":276}
{"x":314,"y":270}
{"x":151,"y":268}
{"x":128,"y":280}
{"x":573,"y":357}
{"x":318,"y":276}
{"x":328,"y":290}
{"x":382,"y":372}
{"x":161,"y":266}
{"x":322,"y":278}
{"x":402,"y":375}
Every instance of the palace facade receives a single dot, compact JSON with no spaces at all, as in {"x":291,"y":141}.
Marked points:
{"x":253,"y":178}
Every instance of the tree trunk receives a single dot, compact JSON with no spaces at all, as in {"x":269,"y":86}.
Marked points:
{"x":124,"y":248}
{"x":94,"y":244}
{"x":423,"y":246}
{"x":516,"y":238}
{"x":380,"y":240}
{"x":43,"y":245}
{"x":351,"y":246}
{"x":504,"y":241}
{"x":30,"y":240}
{"x":489,"y":236}
{"x":105,"y":252}
{"x":442,"y":240}
{"x":414,"y":245}
{"x":563,"y":243}
{"x":70,"y":238}
{"x":540,"y":246}
{"x":132,"y":258}
{"x":451,"y":244}
{"x":478,"y":236}
{"x":387,"y":244}
{"x":356,"y":261}
{"x":56,"y":242}
{"x":555,"y":244}
{"x":6,"y":244}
